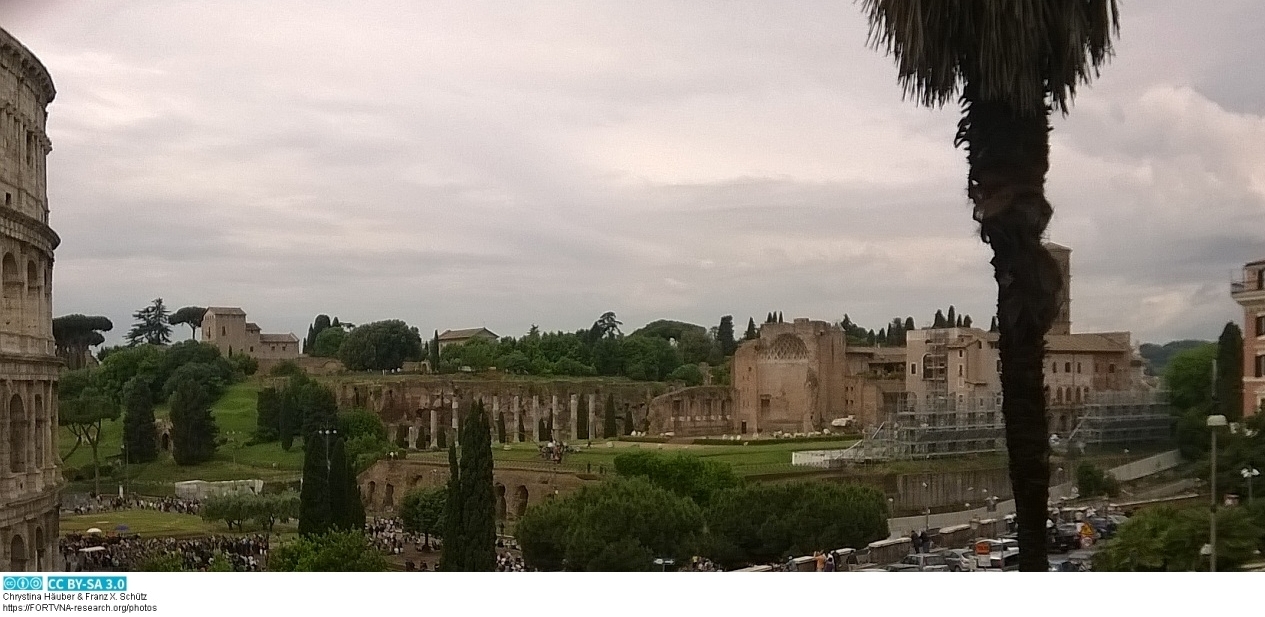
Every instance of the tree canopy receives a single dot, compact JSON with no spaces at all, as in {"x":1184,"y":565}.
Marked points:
{"x":151,"y":325}
{"x":381,"y":345}
{"x":74,"y":334}
{"x":190,"y":316}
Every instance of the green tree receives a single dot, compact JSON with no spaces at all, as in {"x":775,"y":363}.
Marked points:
{"x":939,"y":320}
{"x":452,"y":559}
{"x":434,"y":353}
{"x":211,"y":377}
{"x":328,"y":342}
{"x":752,"y":334}
{"x":725,"y":336}
{"x":75,"y":334}
{"x":233,"y":509}
{"x":268,"y":415}
{"x":193,"y":430}
{"x":684,"y":474}
{"x":151,"y":325}
{"x":1165,"y":539}
{"x":688,"y":373}
{"x":1009,"y":64}
{"x":144,"y":361}
{"x":1092,"y":481}
{"x":478,"y":502}
{"x":366,"y":438}
{"x":1229,"y":384}
{"x":190,"y":316}
{"x":140,"y":436}
{"x":336,"y":551}
{"x":766,"y":522}
{"x":381,"y":345}
{"x":606,"y":326}
{"x":315,"y":500}
{"x":1189,"y":377}
{"x":610,"y":426}
{"x":619,"y":525}
{"x":83,"y":409}
{"x":318,"y":326}
{"x":422,"y":512}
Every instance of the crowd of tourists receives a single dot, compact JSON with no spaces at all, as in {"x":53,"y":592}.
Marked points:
{"x":99,"y":503}
{"x":114,"y":553}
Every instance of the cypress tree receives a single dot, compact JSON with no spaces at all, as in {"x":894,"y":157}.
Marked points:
{"x":909,"y":324}
{"x":500,"y":427}
{"x":779,"y":317}
{"x":610,"y":430}
{"x":268,"y":415}
{"x":1229,"y":385}
{"x":952,"y":317}
{"x":288,"y":420}
{"x":725,"y":335}
{"x":992,"y":326}
{"x":193,"y":430}
{"x":315,"y":512}
{"x":346,"y":510}
{"x":434,"y":353}
{"x":450,"y":560}
{"x":881,"y":336}
{"x":140,"y":437}
{"x":752,"y":333}
{"x":629,"y":425}
{"x":938,"y":322}
{"x":478,"y":510}
{"x":966,"y":321}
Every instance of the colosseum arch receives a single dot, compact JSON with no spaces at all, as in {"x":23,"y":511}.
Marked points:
{"x":11,"y":277}
{"x":500,"y":502}
{"x":32,"y":277}
{"x":520,"y":501}
{"x":17,"y":435}
{"x":41,"y":556}
{"x":17,"y":554}
{"x":41,"y":427}
{"x":786,"y":347}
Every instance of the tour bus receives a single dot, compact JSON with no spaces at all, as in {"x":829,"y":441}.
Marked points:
{"x":996,"y":555}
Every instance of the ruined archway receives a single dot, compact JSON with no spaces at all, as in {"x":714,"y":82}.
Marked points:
{"x":41,"y":428}
{"x":388,"y":497}
{"x":373,"y":491}
{"x":17,"y":554}
{"x":500,"y":502}
{"x":166,"y":441}
{"x":520,"y":501}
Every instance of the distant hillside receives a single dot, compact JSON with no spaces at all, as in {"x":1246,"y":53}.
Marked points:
{"x":1157,"y":356}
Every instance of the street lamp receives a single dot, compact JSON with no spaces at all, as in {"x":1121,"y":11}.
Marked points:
{"x":123,"y":450}
{"x":1248,"y":473}
{"x":326,"y":433}
{"x":1214,"y":422}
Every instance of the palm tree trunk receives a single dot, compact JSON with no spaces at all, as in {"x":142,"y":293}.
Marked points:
{"x":1009,"y":156}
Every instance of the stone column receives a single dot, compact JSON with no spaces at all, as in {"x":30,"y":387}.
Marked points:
{"x":575,"y":416}
{"x":593,"y":416}
{"x":455,"y":412}
{"x":535,"y":418}
{"x":553,"y":416}
{"x":434,"y":428}
{"x":516,"y":408}
{"x":496,"y":414}
{"x":413,"y":430}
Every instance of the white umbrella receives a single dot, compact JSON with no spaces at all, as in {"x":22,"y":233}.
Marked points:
{"x":92,"y":549}
{"x":94,"y":530}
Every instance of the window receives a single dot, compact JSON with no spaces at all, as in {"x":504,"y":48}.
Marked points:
{"x":1260,"y":325}
{"x":1111,"y":368}
{"x":1054,"y":367}
{"x":1260,"y":366}
{"x":1078,"y":368}
{"x":959,"y":353}
{"x":252,"y":349}
{"x":223,"y":331}
{"x":8,"y":199}
{"x":959,"y":370}
{"x":1067,"y":367}
{"x":913,"y":368}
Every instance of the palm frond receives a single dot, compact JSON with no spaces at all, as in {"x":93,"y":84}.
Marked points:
{"x":1018,"y":51}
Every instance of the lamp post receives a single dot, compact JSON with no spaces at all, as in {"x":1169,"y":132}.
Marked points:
{"x":326,"y":433}
{"x":123,"y":450}
{"x":1214,"y":422}
{"x":1248,"y":473}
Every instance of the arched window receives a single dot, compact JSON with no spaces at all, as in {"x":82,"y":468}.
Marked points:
{"x":17,"y":435}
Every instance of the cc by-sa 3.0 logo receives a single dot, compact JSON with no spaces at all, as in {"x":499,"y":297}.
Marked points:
{"x":23,"y":583}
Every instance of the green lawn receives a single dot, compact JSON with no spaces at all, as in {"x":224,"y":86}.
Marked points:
{"x":235,"y":414}
{"x":152,"y":523}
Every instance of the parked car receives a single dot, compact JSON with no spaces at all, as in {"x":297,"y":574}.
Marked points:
{"x":926,"y":562}
{"x":1105,"y":527}
{"x":958,"y":559}
{"x":902,"y":567}
{"x":1063,"y":538}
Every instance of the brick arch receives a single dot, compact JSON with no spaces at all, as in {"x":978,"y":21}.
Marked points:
{"x":12,"y":279}
{"x":17,"y":434}
{"x":32,"y":277}
{"x":17,"y":554}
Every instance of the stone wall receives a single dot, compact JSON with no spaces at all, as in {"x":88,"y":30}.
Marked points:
{"x":416,"y":409}
{"x":516,"y":487}
{"x":699,"y":411}
{"x":29,"y":478}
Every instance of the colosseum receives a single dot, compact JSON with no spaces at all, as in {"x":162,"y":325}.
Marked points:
{"x":29,"y":480}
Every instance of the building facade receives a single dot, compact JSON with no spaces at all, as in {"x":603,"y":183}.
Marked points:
{"x":1249,"y":292}
{"x":227,"y":329}
{"x":30,"y":482}
{"x":792,"y":378}
{"x":457,"y":337}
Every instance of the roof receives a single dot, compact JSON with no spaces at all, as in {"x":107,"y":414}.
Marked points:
{"x":225,"y":310}
{"x":1085,"y":342}
{"x":252,"y":327}
{"x":278,"y":338}
{"x":460,"y":335}
{"x":1050,"y":246}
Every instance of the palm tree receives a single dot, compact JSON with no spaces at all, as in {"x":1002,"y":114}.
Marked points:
{"x":1015,"y":62}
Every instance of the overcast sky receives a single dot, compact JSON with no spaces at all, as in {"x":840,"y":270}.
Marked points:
{"x":464,"y":164}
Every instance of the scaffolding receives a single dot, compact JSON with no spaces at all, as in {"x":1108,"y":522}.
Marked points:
{"x":1110,"y":418}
